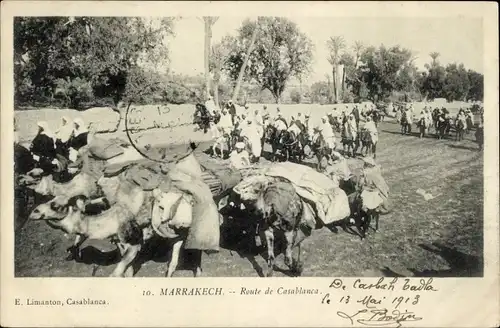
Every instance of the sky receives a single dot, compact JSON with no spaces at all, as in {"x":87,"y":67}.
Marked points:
{"x":457,"y":39}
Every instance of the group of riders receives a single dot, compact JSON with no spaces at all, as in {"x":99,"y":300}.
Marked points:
{"x":244,"y":134}
{"x":439,"y":119}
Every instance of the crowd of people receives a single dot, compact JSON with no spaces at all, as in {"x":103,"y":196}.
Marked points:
{"x":438,"y":118}
{"x":51,"y":151}
{"x":249,"y":126}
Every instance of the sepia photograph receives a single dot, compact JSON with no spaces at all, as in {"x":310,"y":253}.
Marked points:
{"x":221,"y":146}
{"x":316,"y":164}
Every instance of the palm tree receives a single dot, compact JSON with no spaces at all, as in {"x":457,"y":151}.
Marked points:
{"x":358,"y":49}
{"x":335,"y":44}
{"x":434,"y":55}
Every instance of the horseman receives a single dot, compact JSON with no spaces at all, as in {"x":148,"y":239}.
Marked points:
{"x":422,"y":123}
{"x":280,"y":122}
{"x":299,"y":119}
{"x":339,"y":170}
{"x":374,"y":189}
{"x":327,"y":133}
{"x":371,"y":128}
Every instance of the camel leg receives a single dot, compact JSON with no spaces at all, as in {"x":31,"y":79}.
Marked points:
{"x":197,"y":262}
{"x":269,"y":233}
{"x":74,"y":250}
{"x":129,"y":253}
{"x":289,"y":235}
{"x":295,"y":266}
{"x":174,"y":261}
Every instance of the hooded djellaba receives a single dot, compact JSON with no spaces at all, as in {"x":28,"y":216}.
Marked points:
{"x":374,"y":189}
{"x":63,"y":135}
{"x":43,"y":147}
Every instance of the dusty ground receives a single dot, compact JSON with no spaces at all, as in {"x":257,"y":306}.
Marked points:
{"x":439,"y":237}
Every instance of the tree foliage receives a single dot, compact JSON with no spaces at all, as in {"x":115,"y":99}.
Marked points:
{"x":280,"y":53}
{"x":105,"y":52}
{"x":372,"y":73}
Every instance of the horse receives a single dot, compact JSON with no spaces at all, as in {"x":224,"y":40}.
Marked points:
{"x":320,"y":148}
{"x":273,"y":137}
{"x":442,"y":128}
{"x":366,"y":142}
{"x":349,"y":140}
{"x":202,"y":117}
{"x":459,"y":130}
{"x":293,"y":145}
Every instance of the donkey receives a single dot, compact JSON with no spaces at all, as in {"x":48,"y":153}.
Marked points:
{"x":280,"y":209}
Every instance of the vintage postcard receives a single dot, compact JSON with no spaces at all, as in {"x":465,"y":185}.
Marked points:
{"x":292,"y":164}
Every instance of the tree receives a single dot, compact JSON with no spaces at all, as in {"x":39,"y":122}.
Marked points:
{"x":279,"y":54}
{"x":218,"y":56}
{"x":295,"y":96}
{"x":319,"y":92}
{"x":476,"y":90}
{"x":103,"y":51}
{"x":380,"y":69}
{"x":434,"y":55}
{"x":358,"y":50}
{"x":457,"y":83}
{"x":335,"y":45}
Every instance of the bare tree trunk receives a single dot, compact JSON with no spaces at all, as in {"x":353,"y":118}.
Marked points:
{"x":216,"y":93}
{"x":208,"y":32}
{"x":334,"y":84}
{"x":245,"y":62}
{"x":329,"y":95}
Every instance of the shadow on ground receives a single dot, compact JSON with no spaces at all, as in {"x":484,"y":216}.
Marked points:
{"x":461,"y":264}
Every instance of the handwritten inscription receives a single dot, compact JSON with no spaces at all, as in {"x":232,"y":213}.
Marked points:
{"x":379,"y":317}
{"x":389,"y":285}
{"x":386,"y":307}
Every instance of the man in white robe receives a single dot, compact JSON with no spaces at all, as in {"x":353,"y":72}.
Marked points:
{"x":249,"y":131}
{"x":279,"y":123}
{"x":239,"y":158}
{"x":258,"y":122}
{"x":372,"y":129}
{"x":327,"y":132}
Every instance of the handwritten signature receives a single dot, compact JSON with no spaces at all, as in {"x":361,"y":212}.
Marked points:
{"x":379,"y":317}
